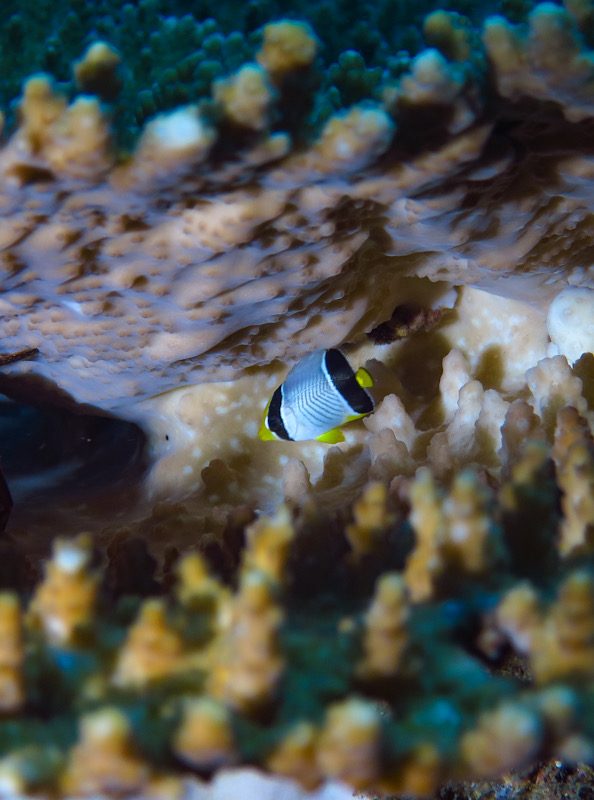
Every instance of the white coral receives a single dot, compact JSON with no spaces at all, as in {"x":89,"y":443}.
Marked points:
{"x":570,"y":322}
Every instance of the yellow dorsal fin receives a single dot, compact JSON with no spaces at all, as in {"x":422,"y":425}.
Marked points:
{"x":331,"y":437}
{"x":364,"y":379}
{"x":353,"y":417}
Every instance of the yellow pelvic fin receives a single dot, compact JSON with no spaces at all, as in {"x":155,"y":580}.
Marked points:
{"x":265,"y":434}
{"x":364,"y":379}
{"x":332,"y":437}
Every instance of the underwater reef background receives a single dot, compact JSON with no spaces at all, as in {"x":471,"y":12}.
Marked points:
{"x":173,"y":50}
{"x":193,"y":199}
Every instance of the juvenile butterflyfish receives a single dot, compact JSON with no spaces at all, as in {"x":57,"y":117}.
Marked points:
{"x":321,"y":393}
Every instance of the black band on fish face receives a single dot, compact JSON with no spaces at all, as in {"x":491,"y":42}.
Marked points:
{"x":344,"y":379}
{"x":275,"y":421}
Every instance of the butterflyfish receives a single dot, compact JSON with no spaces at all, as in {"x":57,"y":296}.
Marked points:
{"x":321,"y":393}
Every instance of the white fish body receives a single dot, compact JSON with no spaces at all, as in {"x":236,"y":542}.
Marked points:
{"x":321,"y":393}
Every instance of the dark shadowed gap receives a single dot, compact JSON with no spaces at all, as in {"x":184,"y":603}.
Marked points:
{"x":47,"y":451}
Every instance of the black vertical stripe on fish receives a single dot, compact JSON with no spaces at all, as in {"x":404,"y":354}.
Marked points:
{"x":344,"y":379}
{"x":275,"y":421}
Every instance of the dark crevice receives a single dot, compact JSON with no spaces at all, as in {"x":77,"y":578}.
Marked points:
{"x":48,"y":452}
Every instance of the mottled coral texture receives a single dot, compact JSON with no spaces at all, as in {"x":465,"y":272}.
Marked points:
{"x":176,"y":286}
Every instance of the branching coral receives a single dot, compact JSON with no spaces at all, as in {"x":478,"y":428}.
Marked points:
{"x":11,"y":654}
{"x":324,"y":662}
{"x":64,"y":601}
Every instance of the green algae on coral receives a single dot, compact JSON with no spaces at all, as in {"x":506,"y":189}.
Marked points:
{"x":173,"y":51}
